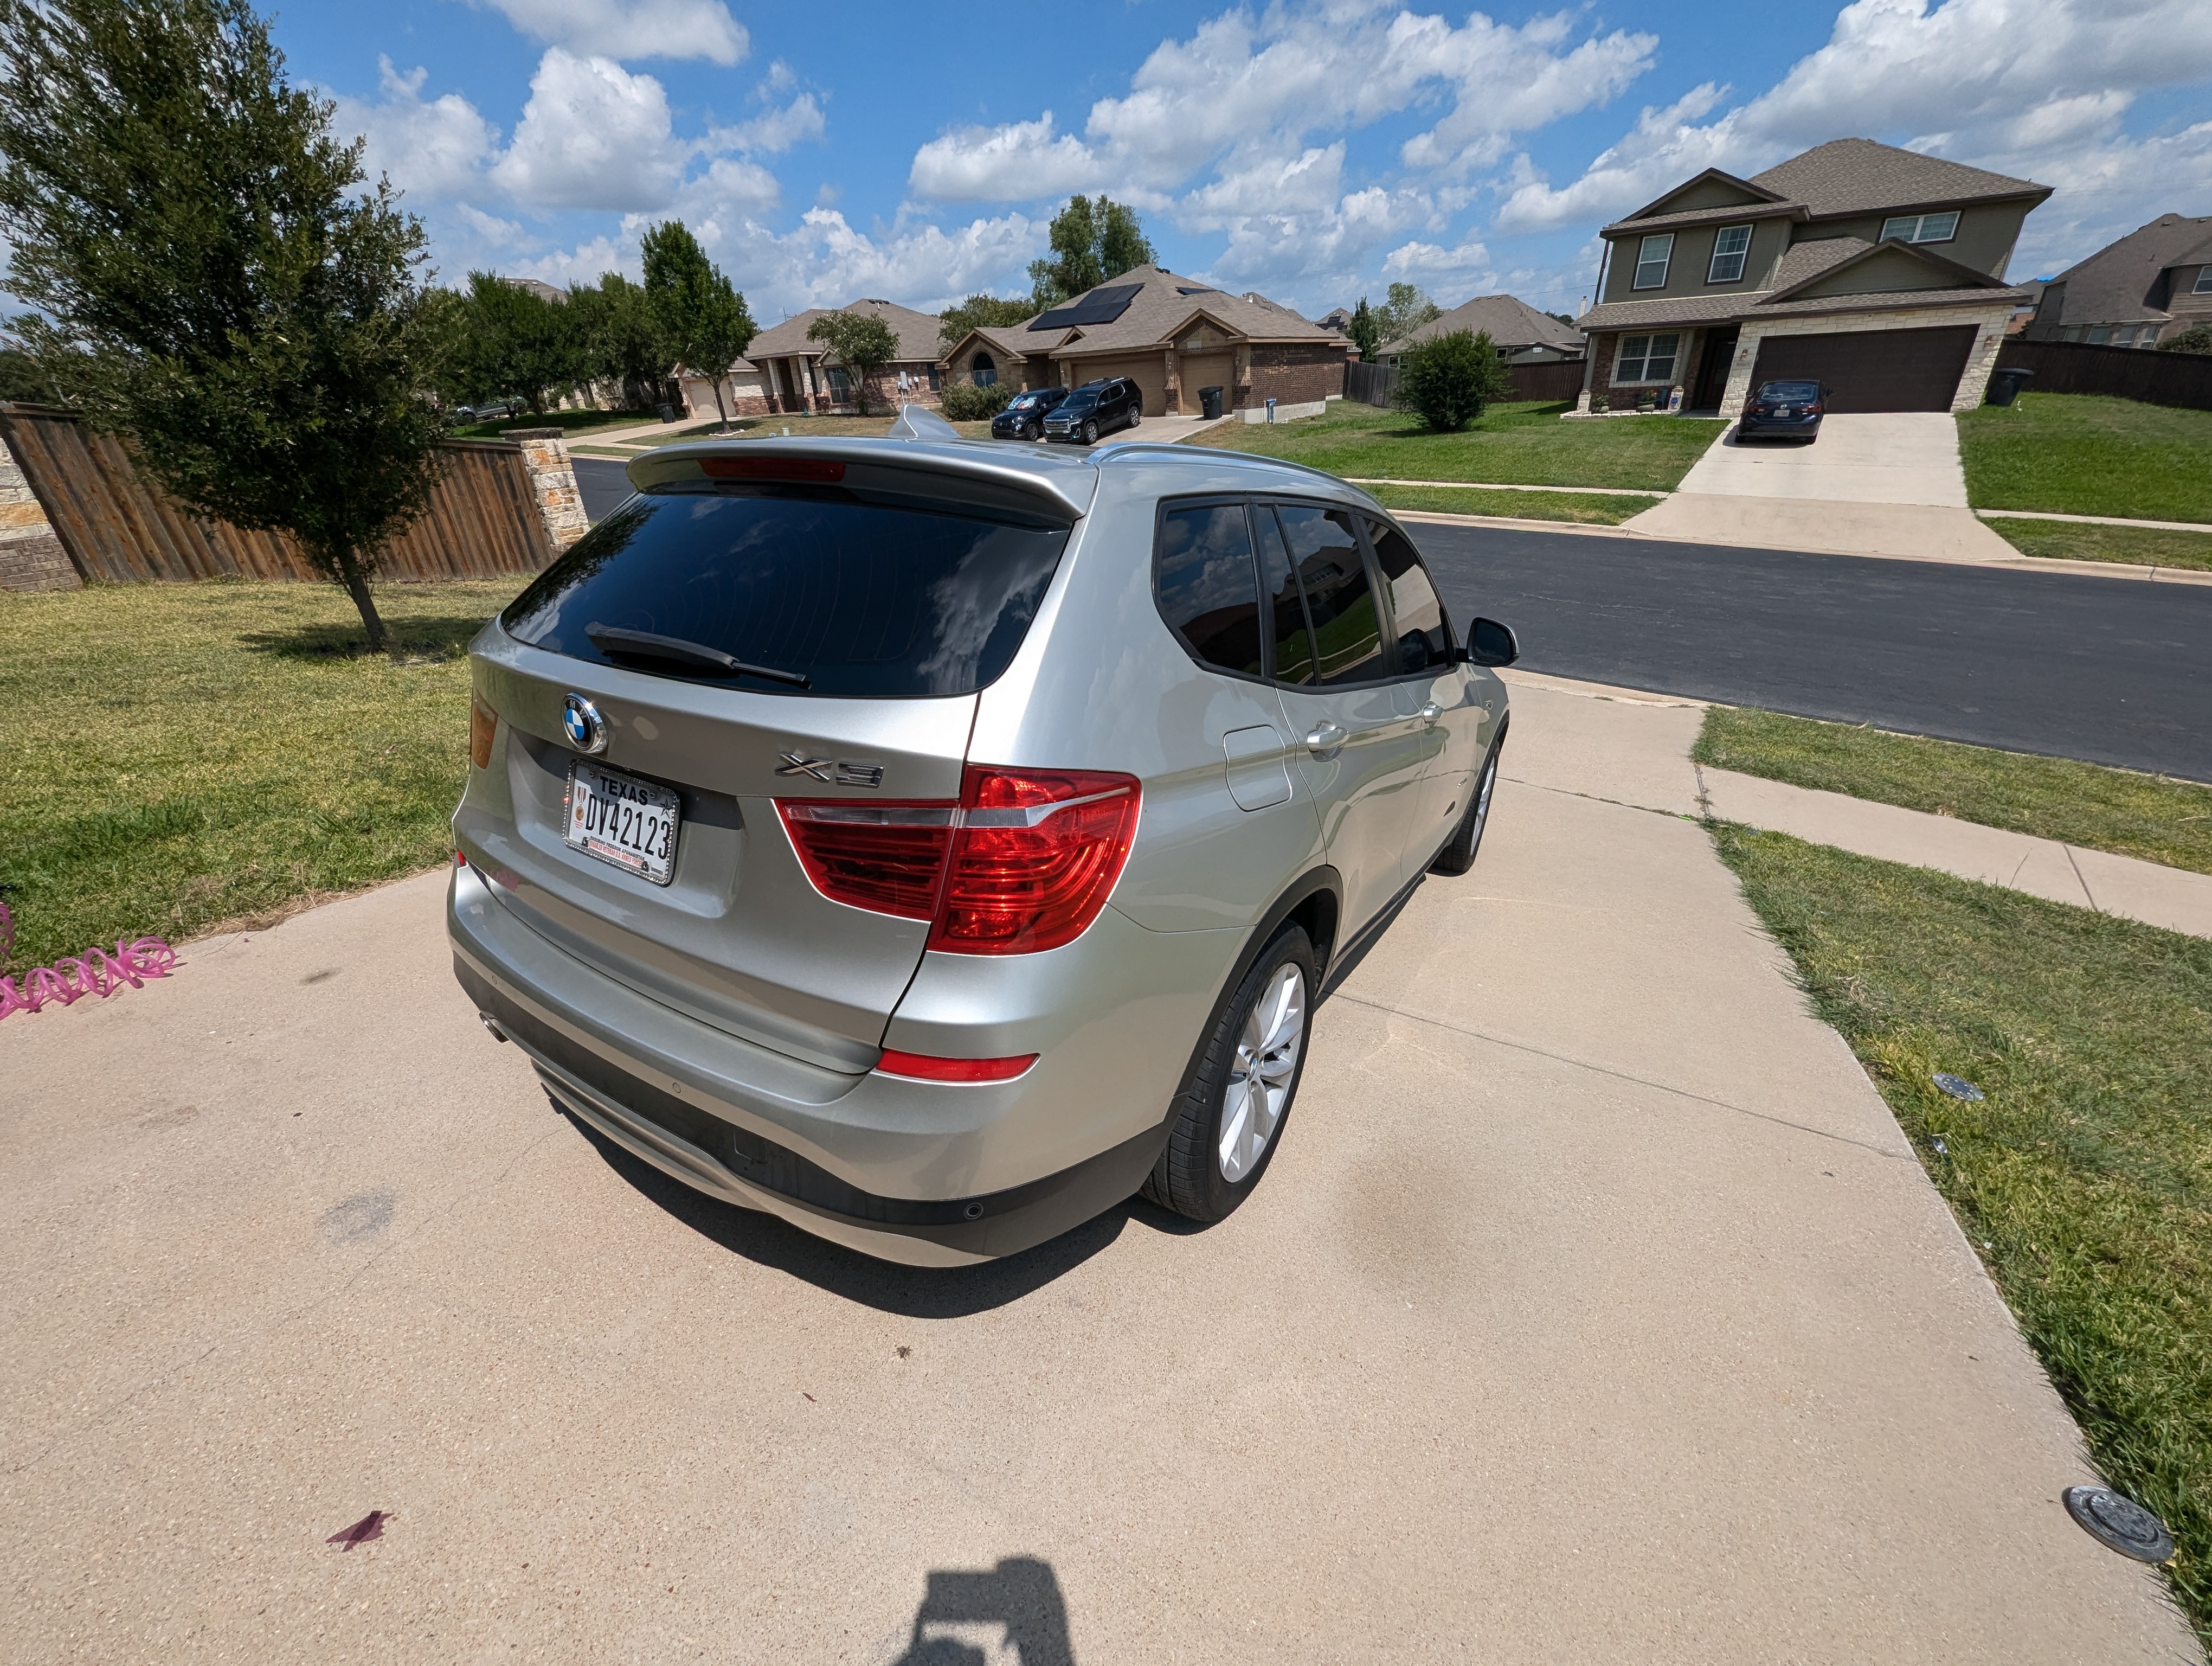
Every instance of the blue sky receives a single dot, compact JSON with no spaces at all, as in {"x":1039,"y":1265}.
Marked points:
{"x":1314,"y":152}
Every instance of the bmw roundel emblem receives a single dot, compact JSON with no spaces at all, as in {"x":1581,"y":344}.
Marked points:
{"x":587,"y":730}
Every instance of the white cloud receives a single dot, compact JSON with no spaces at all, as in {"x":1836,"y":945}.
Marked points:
{"x":593,"y":135}
{"x":774,"y":129}
{"x":633,"y":28}
{"x":2039,"y":93}
{"x":430,"y":149}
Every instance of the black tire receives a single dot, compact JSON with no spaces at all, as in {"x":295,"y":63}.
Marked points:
{"x":1458,"y":855}
{"x":1090,"y":434}
{"x":1189,"y":1176}
{"x":1135,"y":417}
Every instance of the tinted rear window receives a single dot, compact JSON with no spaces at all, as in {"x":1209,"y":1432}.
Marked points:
{"x":1791,"y":391}
{"x":863,"y":597}
{"x":1204,"y":578}
{"x":1347,"y":629}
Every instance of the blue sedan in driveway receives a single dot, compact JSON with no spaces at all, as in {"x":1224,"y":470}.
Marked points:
{"x":1786,"y":408}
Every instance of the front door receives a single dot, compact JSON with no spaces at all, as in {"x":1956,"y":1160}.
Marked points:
{"x":1713,"y":368}
{"x":1359,"y":749}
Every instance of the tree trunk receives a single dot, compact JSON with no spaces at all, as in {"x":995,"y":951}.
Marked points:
{"x":718,"y":408}
{"x":356,"y":585}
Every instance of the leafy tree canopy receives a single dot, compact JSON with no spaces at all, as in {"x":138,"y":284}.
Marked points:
{"x":1367,"y":334}
{"x":1407,"y":311}
{"x":861,"y":342}
{"x":211,"y":276}
{"x":702,"y":318}
{"x":982,"y":312}
{"x":623,"y":341}
{"x":1092,"y":239}
{"x":522,"y":343}
{"x":1448,"y":378}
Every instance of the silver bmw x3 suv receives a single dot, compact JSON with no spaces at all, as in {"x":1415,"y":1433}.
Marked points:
{"x":935,"y":843}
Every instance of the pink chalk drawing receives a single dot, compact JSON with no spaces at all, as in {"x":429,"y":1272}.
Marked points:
{"x":95,"y":972}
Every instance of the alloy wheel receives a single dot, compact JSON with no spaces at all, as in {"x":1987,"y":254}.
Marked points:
{"x":1268,"y":1052}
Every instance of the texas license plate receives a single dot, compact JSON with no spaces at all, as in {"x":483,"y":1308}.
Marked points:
{"x":621,"y":819}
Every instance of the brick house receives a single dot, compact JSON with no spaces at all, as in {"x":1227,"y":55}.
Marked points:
{"x":1172,"y":336}
{"x":745,"y":389}
{"x":1521,"y":333}
{"x":800,"y":375}
{"x":2155,"y":282}
{"x":1877,"y":270}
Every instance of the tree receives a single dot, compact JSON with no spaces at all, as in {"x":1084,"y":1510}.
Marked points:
{"x":1091,"y":242}
{"x":1366,"y":336}
{"x":1448,"y":378}
{"x":1407,"y":311}
{"x":624,"y":341}
{"x":522,"y":343}
{"x":2197,"y":339}
{"x":861,"y":342}
{"x":211,"y":276}
{"x":980,"y":311}
{"x":702,"y":317}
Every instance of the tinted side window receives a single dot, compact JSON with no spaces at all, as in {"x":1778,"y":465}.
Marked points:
{"x":1290,"y":647}
{"x":1203,"y":578}
{"x":1347,"y":629}
{"x":1423,"y":638}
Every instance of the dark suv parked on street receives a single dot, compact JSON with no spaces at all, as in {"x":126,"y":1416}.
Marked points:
{"x":1095,"y":409}
{"x":1024,"y":418}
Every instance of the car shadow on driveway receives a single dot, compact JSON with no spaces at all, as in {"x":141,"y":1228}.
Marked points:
{"x":914,"y":1292}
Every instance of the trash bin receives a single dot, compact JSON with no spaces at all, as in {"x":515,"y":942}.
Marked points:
{"x":1209,"y":402}
{"x":667,"y":413}
{"x":2005,"y":384}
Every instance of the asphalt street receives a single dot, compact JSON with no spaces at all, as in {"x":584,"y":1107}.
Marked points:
{"x":2111,"y":670}
{"x":2114,"y":671}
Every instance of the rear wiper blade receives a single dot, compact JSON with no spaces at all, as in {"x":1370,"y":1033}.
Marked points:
{"x":645,"y":645}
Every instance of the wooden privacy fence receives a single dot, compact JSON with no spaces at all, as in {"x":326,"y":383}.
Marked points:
{"x":2126,"y":373}
{"x":1559,"y":380}
{"x":484,"y":519}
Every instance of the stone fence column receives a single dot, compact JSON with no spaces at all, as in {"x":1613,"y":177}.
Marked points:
{"x":30,"y":556}
{"x":553,"y":482}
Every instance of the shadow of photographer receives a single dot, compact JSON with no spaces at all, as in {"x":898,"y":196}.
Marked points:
{"x":1014,"y":1611}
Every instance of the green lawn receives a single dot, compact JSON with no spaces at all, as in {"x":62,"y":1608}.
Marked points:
{"x":2084,"y":1179}
{"x":2152,"y":817}
{"x":2144,"y":546}
{"x":1519,"y":445}
{"x":183,"y":755}
{"x":568,"y":421}
{"x":2085,"y":454}
{"x":1588,"y":508}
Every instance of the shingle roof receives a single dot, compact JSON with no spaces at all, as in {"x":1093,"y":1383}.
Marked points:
{"x":1742,"y":308}
{"x":2113,"y":285}
{"x":916,"y":332}
{"x":1802,"y":261}
{"x":1158,"y":310}
{"x":1734,"y":213}
{"x":1858,"y":176}
{"x":1510,"y":322}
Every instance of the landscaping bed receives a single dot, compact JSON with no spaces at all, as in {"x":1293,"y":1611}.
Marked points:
{"x":2151,"y":817}
{"x":570,"y":422}
{"x":2084,"y":1178}
{"x":2074,"y":540}
{"x":2087,"y":454}
{"x":182,"y":757}
{"x":1512,"y":445}
{"x":1586,"y":508}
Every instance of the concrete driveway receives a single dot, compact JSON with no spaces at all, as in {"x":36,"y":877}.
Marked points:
{"x":1890,"y":483}
{"x":1595,"y":1309}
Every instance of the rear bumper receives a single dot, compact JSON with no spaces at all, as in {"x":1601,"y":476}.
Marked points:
{"x":1799,"y":427}
{"x":925,"y":1173}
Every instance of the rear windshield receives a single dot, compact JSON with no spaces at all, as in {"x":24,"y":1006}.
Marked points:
{"x":1806,"y":391}
{"x":862,"y":597}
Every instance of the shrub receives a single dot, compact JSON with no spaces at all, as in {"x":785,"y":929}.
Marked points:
{"x":965,"y":402}
{"x":1448,"y":380}
{"x":2197,"y":339}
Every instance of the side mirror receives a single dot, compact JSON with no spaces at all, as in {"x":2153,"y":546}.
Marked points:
{"x":1490,"y":643}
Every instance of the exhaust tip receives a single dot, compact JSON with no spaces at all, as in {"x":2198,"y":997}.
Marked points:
{"x":492,"y":1024}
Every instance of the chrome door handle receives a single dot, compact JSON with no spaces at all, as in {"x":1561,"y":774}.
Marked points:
{"x":1431,"y":711}
{"x":1326,"y":741}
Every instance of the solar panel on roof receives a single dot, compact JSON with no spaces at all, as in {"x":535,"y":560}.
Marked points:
{"x":1099,"y":306}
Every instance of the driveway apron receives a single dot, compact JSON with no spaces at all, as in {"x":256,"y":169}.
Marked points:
{"x":1593,"y":1309}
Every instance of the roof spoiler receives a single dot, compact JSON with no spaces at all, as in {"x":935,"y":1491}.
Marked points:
{"x":920,"y":422}
{"x":963,"y":472}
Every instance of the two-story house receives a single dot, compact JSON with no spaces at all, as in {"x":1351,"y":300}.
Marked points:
{"x":1877,"y":270}
{"x":2155,"y":282}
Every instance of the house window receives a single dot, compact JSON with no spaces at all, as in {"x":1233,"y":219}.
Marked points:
{"x":1730,"y":245}
{"x":2203,"y":281}
{"x":1920,"y":227}
{"x":1645,"y":359}
{"x":841,"y":386}
{"x":2100,"y":335}
{"x":1652,"y":257}
{"x":935,"y":386}
{"x":985,"y":372}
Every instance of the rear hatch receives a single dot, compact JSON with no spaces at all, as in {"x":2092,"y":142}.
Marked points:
{"x":777,"y":653}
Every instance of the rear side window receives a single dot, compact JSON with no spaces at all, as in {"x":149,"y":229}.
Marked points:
{"x":863,"y":597}
{"x":1347,"y":629}
{"x":1423,"y":638}
{"x":1289,"y":646}
{"x":1204,"y":581}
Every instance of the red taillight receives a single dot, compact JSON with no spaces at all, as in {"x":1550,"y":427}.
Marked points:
{"x":1038,"y":853}
{"x":1033,"y":854}
{"x":815,"y":470}
{"x":922,"y":1068}
{"x":887,"y":857}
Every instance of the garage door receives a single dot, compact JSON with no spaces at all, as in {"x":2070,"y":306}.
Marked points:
{"x":1200,"y":370}
{"x":1872,"y":369}
{"x":1148,"y":370}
